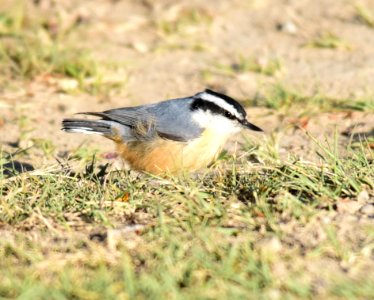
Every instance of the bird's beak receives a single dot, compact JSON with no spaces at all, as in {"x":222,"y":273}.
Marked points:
{"x":251,"y":126}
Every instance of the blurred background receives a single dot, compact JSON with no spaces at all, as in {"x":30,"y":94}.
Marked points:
{"x":61,"y":57}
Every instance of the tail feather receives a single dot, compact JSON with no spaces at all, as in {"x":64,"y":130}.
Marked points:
{"x":87,"y":126}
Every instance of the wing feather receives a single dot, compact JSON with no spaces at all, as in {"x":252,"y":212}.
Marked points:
{"x":169,"y":120}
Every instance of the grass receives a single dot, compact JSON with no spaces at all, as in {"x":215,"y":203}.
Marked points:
{"x":258,"y":224}
{"x":31,"y":48}
{"x":29,"y":57}
{"x":175,"y":22}
{"x":364,"y":15}
{"x":280,"y":97}
{"x":182,"y":21}
{"x":245,"y":64}
{"x":329,"y":40}
{"x":202,"y":238}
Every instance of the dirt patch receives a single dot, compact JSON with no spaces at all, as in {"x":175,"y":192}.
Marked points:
{"x":174,"y":49}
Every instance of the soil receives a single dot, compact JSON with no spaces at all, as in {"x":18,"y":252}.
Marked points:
{"x":155,"y":63}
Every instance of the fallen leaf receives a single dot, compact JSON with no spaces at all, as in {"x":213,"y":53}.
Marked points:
{"x":300,"y":122}
{"x":110,"y":155}
{"x":124,"y":198}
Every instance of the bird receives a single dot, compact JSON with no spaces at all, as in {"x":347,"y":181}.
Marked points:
{"x":171,"y":136}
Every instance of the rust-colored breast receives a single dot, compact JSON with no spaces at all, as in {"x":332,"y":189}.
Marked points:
{"x":161,"y":155}
{"x":154,"y":157}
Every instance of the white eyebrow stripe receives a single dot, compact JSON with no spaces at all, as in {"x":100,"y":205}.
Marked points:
{"x":221,"y":103}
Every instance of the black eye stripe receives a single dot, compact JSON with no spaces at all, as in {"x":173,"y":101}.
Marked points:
{"x":212,"y":107}
{"x":229,"y":100}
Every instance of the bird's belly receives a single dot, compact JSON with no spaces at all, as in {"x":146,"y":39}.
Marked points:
{"x":161,"y":156}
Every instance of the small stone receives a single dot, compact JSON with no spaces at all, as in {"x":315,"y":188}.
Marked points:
{"x":140,"y":47}
{"x":67,"y":84}
{"x":274,"y":294}
{"x":367,"y":209}
{"x":363,"y":197}
{"x":288,"y":27}
{"x":367,"y":251}
{"x":236,"y":205}
{"x":348,"y":206}
{"x":124,"y":234}
{"x":326,"y":220}
{"x":270,"y":245}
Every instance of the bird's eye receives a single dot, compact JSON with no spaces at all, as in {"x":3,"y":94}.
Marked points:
{"x":229,"y":115}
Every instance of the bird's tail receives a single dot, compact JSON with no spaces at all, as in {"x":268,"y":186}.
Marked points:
{"x":100,"y":127}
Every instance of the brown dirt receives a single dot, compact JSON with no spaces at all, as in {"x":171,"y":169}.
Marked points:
{"x":157,"y":65}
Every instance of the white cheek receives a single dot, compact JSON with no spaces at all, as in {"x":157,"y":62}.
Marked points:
{"x":217,"y":123}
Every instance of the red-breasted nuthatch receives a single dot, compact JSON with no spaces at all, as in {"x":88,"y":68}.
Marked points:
{"x":170,"y":136}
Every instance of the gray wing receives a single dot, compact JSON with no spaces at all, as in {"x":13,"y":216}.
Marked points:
{"x":170,"y":119}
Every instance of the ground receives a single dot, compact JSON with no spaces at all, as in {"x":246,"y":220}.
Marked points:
{"x":284,"y":214}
